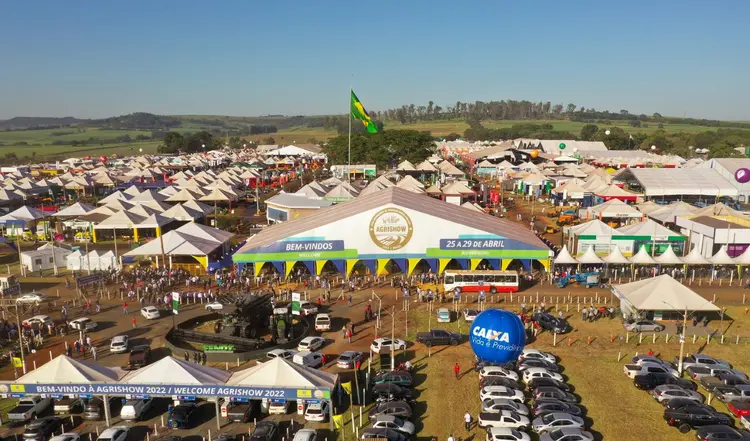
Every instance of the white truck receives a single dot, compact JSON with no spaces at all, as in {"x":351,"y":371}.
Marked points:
{"x":631,"y":370}
{"x":28,"y":408}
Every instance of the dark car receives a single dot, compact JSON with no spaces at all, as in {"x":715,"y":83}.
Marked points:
{"x":228,"y":437}
{"x":265,"y":431}
{"x":399,"y":378}
{"x":537,"y":363}
{"x":391,"y":392}
{"x":42,"y":429}
{"x":499,"y":381}
{"x":389,"y":434}
{"x":687,"y":418}
{"x":179,"y":418}
{"x":683,"y":403}
{"x":720,"y":433}
{"x":536,"y":383}
{"x":438,"y":337}
{"x":242,"y":412}
{"x":554,"y":393}
{"x":139,"y":356}
{"x":653,"y":379}
{"x":395,"y":408}
{"x":543,"y":407}
{"x":551,"y":323}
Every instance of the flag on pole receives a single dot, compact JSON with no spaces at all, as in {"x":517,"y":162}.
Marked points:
{"x":338,"y":421}
{"x":17,"y":362}
{"x":358,"y":112}
{"x":347,"y":387}
{"x":175,"y":302}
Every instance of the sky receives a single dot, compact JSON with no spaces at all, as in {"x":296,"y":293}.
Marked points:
{"x":93,"y":59}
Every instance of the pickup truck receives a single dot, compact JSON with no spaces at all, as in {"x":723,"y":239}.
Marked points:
{"x":631,"y":370}
{"x":438,"y":337}
{"x":700,"y":360}
{"x":28,"y":408}
{"x":242,"y":412}
{"x":504,"y":418}
{"x":698,"y":373}
{"x":67,"y":405}
{"x":728,"y":394}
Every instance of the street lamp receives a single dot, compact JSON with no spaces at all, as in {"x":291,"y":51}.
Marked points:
{"x":653,"y":147}
{"x":682,"y":335}
{"x":607,"y":132}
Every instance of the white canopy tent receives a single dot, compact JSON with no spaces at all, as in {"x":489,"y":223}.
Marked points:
{"x":565,"y":258}
{"x":77,"y":209}
{"x":668,"y":257}
{"x":170,"y":370}
{"x":660,"y":293}
{"x":66,"y":370}
{"x":279,"y":372}
{"x":721,"y":257}
{"x":694,"y":257}
{"x":744,"y":258}
{"x":642,"y":258}
{"x":616,"y":257}
{"x":590,"y":257}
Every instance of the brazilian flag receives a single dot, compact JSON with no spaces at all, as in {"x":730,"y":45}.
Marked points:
{"x":358,"y":112}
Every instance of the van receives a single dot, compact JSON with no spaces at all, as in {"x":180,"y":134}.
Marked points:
{"x":135,"y":409}
{"x":308,"y":359}
{"x":322,"y":322}
{"x":443,"y":315}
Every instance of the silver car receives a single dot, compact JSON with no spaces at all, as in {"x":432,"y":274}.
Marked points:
{"x":567,"y":434}
{"x":644,"y":326}
{"x":498,"y":405}
{"x":393,"y":422}
{"x":557,"y":420}
{"x":667,"y":392}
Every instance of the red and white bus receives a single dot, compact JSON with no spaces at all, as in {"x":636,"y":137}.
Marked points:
{"x":487,"y":281}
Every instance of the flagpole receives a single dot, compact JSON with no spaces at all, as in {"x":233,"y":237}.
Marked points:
{"x":349,"y":116}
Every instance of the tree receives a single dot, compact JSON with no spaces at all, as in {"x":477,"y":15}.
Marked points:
{"x":588,"y":132}
{"x":381,"y":148}
{"x":172,"y":143}
{"x":268,"y":141}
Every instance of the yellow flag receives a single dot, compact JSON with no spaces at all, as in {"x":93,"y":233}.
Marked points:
{"x":338,"y":420}
{"x":17,"y":362}
{"x":347,"y":387}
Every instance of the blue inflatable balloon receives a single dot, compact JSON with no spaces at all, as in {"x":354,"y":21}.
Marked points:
{"x":497,"y":336}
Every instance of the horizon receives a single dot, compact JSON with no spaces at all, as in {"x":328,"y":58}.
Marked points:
{"x":675,"y":58}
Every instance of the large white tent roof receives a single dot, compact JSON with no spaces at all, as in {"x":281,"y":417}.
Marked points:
{"x":668,"y":257}
{"x":589,"y":256}
{"x":662,"y":293}
{"x":616,"y":257}
{"x":642,"y":257}
{"x":77,"y":209}
{"x":647,"y":228}
{"x":594,"y":228}
{"x":681,"y":181}
{"x":564,"y":257}
{"x":170,"y":370}
{"x":279,"y":372}
{"x":721,"y":257}
{"x":670,"y":212}
{"x":695,"y":258}
{"x":64,"y":369}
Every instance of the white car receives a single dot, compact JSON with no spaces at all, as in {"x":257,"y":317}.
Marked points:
{"x":317,"y":412}
{"x":507,"y":393}
{"x":278,"y":407}
{"x":83,"y":324}
{"x":39,"y":320}
{"x":117,"y":433}
{"x":307,"y":308}
{"x":666,"y":392}
{"x":506,"y":434}
{"x":386,"y":345}
{"x":530,"y":373}
{"x":305,"y":435}
{"x":286,"y":354}
{"x":567,"y":434}
{"x":498,"y":371}
{"x":150,"y":312}
{"x":505,"y":418}
{"x":214,"y":306}
{"x":311,"y":344}
{"x":470,"y":314}
{"x":119,"y":344}
{"x":497,"y":405}
{"x":68,"y":436}
{"x":537,"y":354}
{"x":557,"y":420}
{"x":322,"y":322}
{"x":308,"y":359}
{"x":32,"y":297}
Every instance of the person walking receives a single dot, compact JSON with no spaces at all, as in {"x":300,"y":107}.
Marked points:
{"x":133,"y":322}
{"x":125,"y":308}
{"x":467,"y":421}
{"x":93,"y":352}
{"x":456,"y":369}
{"x":70,"y":351}
{"x":350,"y":300}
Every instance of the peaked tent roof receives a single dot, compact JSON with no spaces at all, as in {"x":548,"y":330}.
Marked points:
{"x":744,"y":258}
{"x":694,"y":257}
{"x":77,"y":209}
{"x":616,"y":257}
{"x":589,"y":256}
{"x":662,"y":293}
{"x":594,"y":227}
{"x":647,"y":228}
{"x":121,"y":219}
{"x":642,"y":257}
{"x":721,"y":257}
{"x":564,"y":257}
{"x":668,"y":257}
{"x":670,"y":212}
{"x":170,"y":370}
{"x":283,"y":373}
{"x":182,"y":213}
{"x":27,"y":213}
{"x":66,"y":370}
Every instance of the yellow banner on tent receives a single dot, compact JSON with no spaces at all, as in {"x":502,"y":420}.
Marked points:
{"x":413,"y":264}
{"x":338,"y":420}
{"x":475,"y":263}
{"x":203,"y":260}
{"x":505,"y":264}
{"x":350,"y":265}
{"x":381,"y":266}
{"x":288,"y":267}
{"x":17,"y":362}
{"x":545,"y":263}
{"x":347,"y":387}
{"x":443,"y":264}
{"x":319,"y":264}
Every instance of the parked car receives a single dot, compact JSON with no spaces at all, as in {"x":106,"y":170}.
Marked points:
{"x":545,"y":406}
{"x":391,"y":392}
{"x":42,"y":429}
{"x":532,"y":373}
{"x":470,"y":314}
{"x":536,"y":354}
{"x":119,"y":344}
{"x":567,"y":434}
{"x":537,"y":363}
{"x":739,"y":408}
{"x":653,"y":379}
{"x":498,"y":371}
{"x":554,"y":393}
{"x":393,"y":423}
{"x":93,"y":410}
{"x":438,"y":337}
{"x":310,"y":344}
{"x":684,"y":404}
{"x":499,"y":381}
{"x":666,"y":392}
{"x":388,"y":434}
{"x":443,"y":315}
{"x":305,"y":435}
{"x":385,"y":345}
{"x":265,"y":431}
{"x":735,"y":393}
{"x":349,"y":359}
{"x":280,"y":407}
{"x":506,"y":434}
{"x":180,"y":416}
{"x":631,"y":370}
{"x":504,"y":418}
{"x":396,"y":408}
{"x":745,"y":421}
{"x":720,"y":433}
{"x":39,"y":320}
{"x":135,"y":409}
{"x":82,"y":324}
{"x":688,"y":417}
{"x":549,"y":322}
{"x":150,"y":312}
{"x":399,"y":378}
{"x":307,"y":308}
{"x":32,"y":297}
{"x":492,"y":392}
{"x":117,"y":433}
{"x":557,"y":420}
{"x":644,"y":326}
{"x":242,"y":412}
{"x":317,"y":412}
{"x":641,"y":359}
{"x":67,"y":405}
{"x":214,"y":306}
{"x":28,"y":408}
{"x":286,"y":354}
{"x":322,"y":322}
{"x":67,"y":436}
{"x":496,"y":405}
{"x":308,"y":359}
{"x":536,"y":383}
{"x":700,"y":359}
